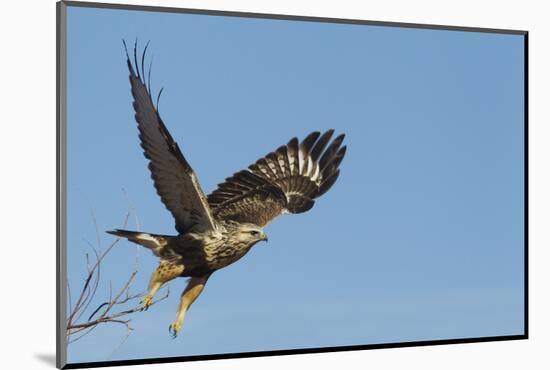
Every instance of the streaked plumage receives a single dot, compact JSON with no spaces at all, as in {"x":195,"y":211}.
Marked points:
{"x":219,"y":229}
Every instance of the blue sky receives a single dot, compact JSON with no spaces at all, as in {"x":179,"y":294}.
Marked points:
{"x":422,"y":236}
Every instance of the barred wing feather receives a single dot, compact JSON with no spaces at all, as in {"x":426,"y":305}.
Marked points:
{"x":286,"y":180}
{"x":174,"y":179}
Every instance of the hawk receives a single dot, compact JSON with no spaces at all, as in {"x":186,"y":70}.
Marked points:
{"x":215,"y":231}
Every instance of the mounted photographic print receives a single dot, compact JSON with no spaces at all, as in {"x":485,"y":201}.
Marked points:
{"x":235,"y":184}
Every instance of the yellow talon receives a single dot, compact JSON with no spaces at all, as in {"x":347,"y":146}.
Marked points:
{"x":147,"y":301}
{"x":175,"y":327}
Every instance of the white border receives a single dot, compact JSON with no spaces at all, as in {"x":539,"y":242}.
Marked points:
{"x":28,"y":181}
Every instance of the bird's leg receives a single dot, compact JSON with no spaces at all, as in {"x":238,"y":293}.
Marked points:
{"x":165,"y":272}
{"x":192,"y":291}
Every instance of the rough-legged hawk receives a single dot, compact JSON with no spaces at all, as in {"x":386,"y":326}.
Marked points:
{"x":216,"y":230}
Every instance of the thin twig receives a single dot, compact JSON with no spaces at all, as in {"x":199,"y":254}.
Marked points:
{"x":86,"y":332}
{"x":138,"y":227}
{"x":94,"y":220}
{"x":132,"y":209}
{"x":69,"y":297}
{"x":102,"y":314}
{"x":113,"y":317}
{"x":93,"y":290}
{"x":128,"y":332}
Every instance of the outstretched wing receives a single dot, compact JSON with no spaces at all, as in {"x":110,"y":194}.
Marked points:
{"x":174,"y":179}
{"x":286,"y":180}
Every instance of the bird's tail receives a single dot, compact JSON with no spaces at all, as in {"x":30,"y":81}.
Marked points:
{"x":151,"y":241}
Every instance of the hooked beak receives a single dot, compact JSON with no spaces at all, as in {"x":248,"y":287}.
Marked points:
{"x":265,"y":238}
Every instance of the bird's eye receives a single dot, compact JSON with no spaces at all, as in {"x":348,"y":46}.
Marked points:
{"x":254,"y":232}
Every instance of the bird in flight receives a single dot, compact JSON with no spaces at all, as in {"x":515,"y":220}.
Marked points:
{"x":215,"y":231}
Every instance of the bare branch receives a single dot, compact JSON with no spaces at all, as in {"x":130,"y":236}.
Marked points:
{"x":86,"y":332}
{"x":114,"y":317}
{"x":77,"y":329}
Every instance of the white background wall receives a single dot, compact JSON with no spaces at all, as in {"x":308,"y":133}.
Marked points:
{"x":27,"y":181}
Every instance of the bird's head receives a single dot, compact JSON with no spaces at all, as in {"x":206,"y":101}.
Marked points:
{"x":250,"y":234}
